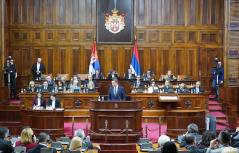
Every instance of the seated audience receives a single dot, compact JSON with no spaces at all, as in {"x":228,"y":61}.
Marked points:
{"x":235,"y":137}
{"x":148,"y":75}
{"x":90,"y":80}
{"x":80,"y":133}
{"x":169,"y":147}
{"x":53,"y":102}
{"x":167,"y":86}
{"x":42,"y":138}
{"x":75,"y":87}
{"x":223,"y":141}
{"x":152,"y":87}
{"x":129,"y":75}
{"x":229,"y":150}
{"x":198,"y":88}
{"x":162,"y":140}
{"x":60,"y":87}
{"x":138,"y":83}
{"x":76,"y":143}
{"x":31,"y":87}
{"x":112,"y":75}
{"x":182,"y":88}
{"x":192,"y":128}
{"x":27,"y":139}
{"x":169,"y":76}
{"x":63,"y":80}
{"x":97,"y":75}
{"x":152,"y":78}
{"x":45,"y":87}
{"x":207,"y":136}
{"x":39,"y":100}
{"x":50,"y":81}
{"x":5,"y":146}
{"x":191,"y":143}
{"x":75,"y":78}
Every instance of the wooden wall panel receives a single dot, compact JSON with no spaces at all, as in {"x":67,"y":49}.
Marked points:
{"x":171,"y":35}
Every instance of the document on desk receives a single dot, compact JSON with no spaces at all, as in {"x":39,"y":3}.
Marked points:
{"x":168,"y":97}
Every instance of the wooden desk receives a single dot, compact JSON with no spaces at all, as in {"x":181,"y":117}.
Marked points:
{"x":154,"y":109}
{"x":178,"y":120}
{"x":116,"y":113}
{"x":49,"y":121}
{"x":68,"y":100}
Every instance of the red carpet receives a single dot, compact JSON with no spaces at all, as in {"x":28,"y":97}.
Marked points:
{"x":153,"y":129}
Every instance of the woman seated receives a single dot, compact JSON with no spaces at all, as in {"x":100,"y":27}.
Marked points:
{"x":39,"y":100}
{"x":207,"y":136}
{"x":112,"y":75}
{"x":152,"y":78}
{"x":152,"y":87}
{"x":31,"y":87}
{"x":170,"y":76}
{"x":63,"y":80}
{"x":167,"y":86}
{"x":76,"y":144}
{"x":91,"y":87}
{"x":27,"y":139}
{"x":60,"y":87}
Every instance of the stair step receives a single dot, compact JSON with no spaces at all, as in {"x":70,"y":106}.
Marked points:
{"x":218,"y":114}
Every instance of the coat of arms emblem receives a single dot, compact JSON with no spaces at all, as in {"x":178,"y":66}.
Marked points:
{"x":114,"y":23}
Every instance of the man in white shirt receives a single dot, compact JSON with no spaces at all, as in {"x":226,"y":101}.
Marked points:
{"x":138,"y":83}
{"x":38,"y":68}
{"x":53,"y":102}
{"x":198,"y":88}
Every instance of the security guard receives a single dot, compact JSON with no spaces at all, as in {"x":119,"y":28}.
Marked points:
{"x":10,"y":68}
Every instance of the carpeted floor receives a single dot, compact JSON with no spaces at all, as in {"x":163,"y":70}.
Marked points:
{"x":153,"y":129}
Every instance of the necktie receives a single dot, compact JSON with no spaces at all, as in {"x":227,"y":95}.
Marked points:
{"x":97,"y":76}
{"x":115,"y":91}
{"x":45,"y":87}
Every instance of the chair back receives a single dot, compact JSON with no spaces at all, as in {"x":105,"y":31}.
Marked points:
{"x":83,"y":76}
{"x":20,"y":150}
{"x":75,"y":151}
{"x":46,"y":150}
{"x":66,"y":75}
{"x":181,"y":77}
{"x":45,"y":75}
{"x":155,"y":151}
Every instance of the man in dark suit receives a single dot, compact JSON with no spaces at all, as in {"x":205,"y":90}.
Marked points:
{"x":53,"y":102}
{"x":50,"y":81}
{"x":191,"y":144}
{"x":38,"y":68}
{"x":97,"y":75}
{"x":193,"y":129}
{"x":138,"y":83}
{"x":80,"y":133}
{"x":5,"y":146}
{"x":198,"y":88}
{"x":112,"y":75}
{"x":45,"y":87}
{"x":116,"y":92}
{"x":90,"y":80}
{"x":129,"y":75}
{"x":182,"y":88}
{"x":147,"y":76}
{"x":43,"y":137}
{"x":167,"y":86}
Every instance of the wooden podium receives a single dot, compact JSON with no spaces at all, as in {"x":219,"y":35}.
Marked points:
{"x":115,"y":114}
{"x":49,"y":121}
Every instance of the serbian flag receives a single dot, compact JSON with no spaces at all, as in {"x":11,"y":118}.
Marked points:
{"x":135,"y":65}
{"x":94,"y":61}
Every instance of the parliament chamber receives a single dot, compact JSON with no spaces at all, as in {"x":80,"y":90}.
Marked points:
{"x":61,"y":39}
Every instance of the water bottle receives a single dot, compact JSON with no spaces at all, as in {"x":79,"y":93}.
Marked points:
{"x":21,"y":90}
{"x":99,"y":98}
{"x":53,"y":90}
